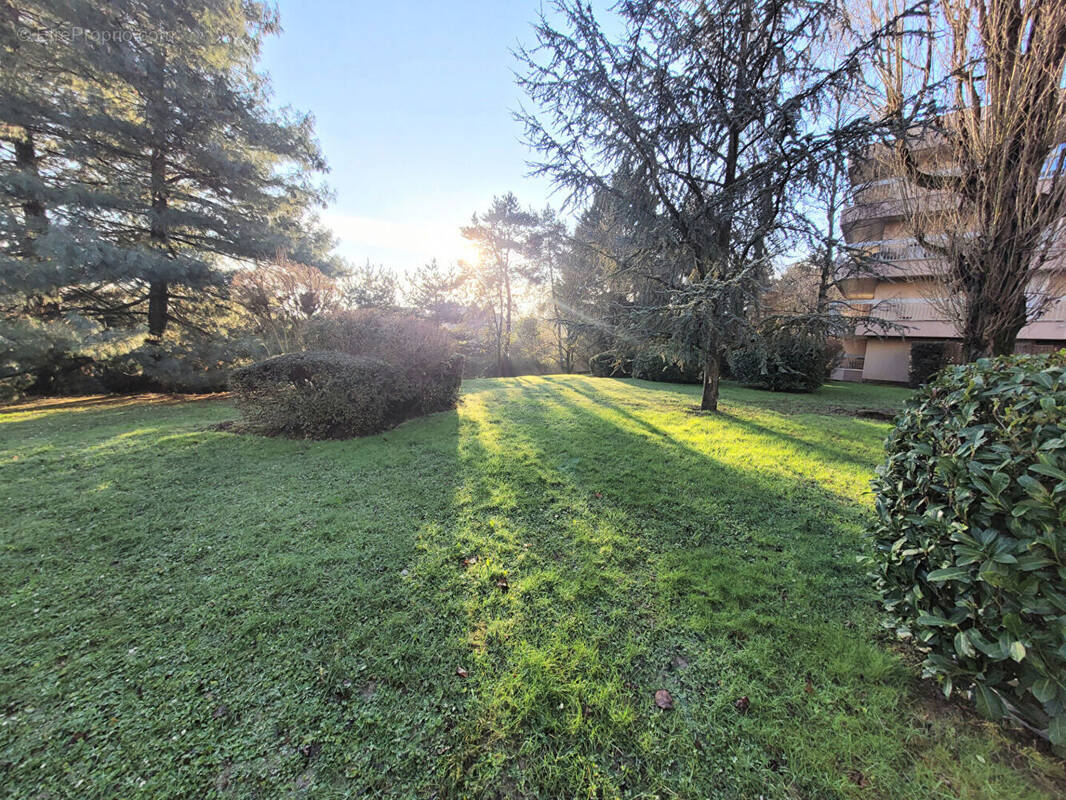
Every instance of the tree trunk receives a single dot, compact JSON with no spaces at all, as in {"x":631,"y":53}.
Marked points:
{"x":991,"y":319}
{"x":507,"y":326}
{"x":34,"y":216}
{"x":158,"y":299}
{"x":558,"y":322}
{"x":711,"y":373}
{"x":158,"y":291}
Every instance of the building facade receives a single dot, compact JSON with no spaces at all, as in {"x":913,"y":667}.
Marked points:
{"x":900,"y":285}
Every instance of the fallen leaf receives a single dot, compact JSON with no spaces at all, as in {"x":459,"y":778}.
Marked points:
{"x":742,"y":705}
{"x":809,"y":686}
{"x":460,"y":672}
{"x":664,"y":700}
{"x":858,"y":778}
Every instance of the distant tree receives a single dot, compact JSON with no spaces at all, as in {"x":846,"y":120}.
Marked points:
{"x":983,"y":80}
{"x":702,"y":105}
{"x":502,"y":235}
{"x":549,"y":247}
{"x":596,"y":291}
{"x":368,"y":286}
{"x":435,"y":292}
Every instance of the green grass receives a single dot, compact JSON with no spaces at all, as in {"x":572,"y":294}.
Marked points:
{"x":189,"y":612}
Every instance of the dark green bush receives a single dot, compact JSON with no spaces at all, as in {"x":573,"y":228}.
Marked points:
{"x":321,"y":395}
{"x":782,"y":359}
{"x":653,"y":367}
{"x":971,"y":534}
{"x":610,"y":365}
{"x":926,"y":360}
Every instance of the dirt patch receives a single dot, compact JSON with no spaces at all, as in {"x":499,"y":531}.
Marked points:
{"x":881,"y":414}
{"x":959,"y":711}
{"x":102,"y":401}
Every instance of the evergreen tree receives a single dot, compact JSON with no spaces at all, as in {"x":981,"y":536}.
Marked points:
{"x":502,"y":235}
{"x":166,"y":166}
{"x":434,"y":292}
{"x":702,"y":107}
{"x":368,"y":286}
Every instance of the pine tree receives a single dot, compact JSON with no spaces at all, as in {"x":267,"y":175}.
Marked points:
{"x":434,"y":292}
{"x":368,"y":286}
{"x":167,"y":167}
{"x":502,"y":235}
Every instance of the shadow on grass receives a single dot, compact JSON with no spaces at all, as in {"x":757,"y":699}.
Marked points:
{"x":194,"y":609}
{"x":44,"y":405}
{"x":204,"y":611}
{"x":577,"y":501}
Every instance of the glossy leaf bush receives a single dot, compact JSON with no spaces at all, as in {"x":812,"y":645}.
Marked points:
{"x":971,"y":534}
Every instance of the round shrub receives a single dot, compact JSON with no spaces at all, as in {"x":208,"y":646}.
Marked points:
{"x":610,"y":365}
{"x":971,"y":534}
{"x":321,"y":395}
{"x":782,"y":359}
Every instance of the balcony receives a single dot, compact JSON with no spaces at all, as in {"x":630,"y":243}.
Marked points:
{"x":893,"y":198}
{"x":919,"y":317}
{"x":905,"y":258}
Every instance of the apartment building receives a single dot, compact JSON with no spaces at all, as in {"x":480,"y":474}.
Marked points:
{"x":900,"y":285}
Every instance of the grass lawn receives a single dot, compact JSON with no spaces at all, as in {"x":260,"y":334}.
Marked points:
{"x":190,"y":612}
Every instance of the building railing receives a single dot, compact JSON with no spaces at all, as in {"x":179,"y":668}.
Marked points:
{"x":851,"y":362}
{"x":892,"y":250}
{"x":895,"y":251}
{"x":906,"y":309}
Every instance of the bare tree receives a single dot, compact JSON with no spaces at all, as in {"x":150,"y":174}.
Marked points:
{"x":280,"y":296}
{"x":973,"y":93}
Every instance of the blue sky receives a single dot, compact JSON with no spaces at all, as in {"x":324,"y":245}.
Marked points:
{"x":412,"y":102}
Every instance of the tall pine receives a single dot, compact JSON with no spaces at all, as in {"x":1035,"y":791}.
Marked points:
{"x":164,"y":165}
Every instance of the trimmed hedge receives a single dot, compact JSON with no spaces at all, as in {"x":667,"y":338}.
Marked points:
{"x":422,"y":353}
{"x":321,"y":395}
{"x":971,"y":534}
